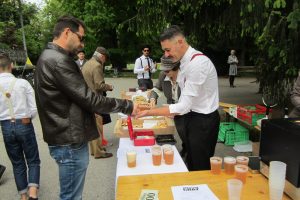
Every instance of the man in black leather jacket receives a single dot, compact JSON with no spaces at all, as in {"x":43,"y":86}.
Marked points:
{"x":66,"y":106}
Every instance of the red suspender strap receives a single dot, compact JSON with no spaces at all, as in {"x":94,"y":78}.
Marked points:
{"x":197,"y":54}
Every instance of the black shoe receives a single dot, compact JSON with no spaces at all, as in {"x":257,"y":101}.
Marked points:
{"x":106,"y":155}
{"x":2,"y":169}
{"x":31,"y":198}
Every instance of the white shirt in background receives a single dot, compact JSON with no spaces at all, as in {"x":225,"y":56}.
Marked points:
{"x":22,"y":97}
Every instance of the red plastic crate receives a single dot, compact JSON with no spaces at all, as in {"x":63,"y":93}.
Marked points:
{"x":251,"y":113}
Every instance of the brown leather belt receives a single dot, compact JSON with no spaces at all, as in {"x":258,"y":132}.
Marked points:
{"x":22,"y":120}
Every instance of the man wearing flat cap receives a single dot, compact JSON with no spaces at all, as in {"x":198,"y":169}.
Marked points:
{"x":93,"y":73}
{"x":168,"y":86}
{"x":81,"y":58}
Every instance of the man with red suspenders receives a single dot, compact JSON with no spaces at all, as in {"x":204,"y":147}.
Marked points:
{"x":199,"y":100}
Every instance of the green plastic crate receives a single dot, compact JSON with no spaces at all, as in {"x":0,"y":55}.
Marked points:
{"x":231,"y":132}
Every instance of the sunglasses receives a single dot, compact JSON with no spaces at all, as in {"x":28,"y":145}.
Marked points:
{"x":80,"y":37}
{"x":146,"y":50}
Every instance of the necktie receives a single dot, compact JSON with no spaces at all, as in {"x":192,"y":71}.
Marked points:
{"x":149,"y":68}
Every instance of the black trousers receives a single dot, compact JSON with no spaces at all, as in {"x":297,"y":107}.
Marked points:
{"x":231,"y":80}
{"x":179,"y":124}
{"x":201,"y":134}
{"x":145,"y":83}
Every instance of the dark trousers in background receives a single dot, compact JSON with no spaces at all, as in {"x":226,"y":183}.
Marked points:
{"x":201,"y":138}
{"x":179,"y":124}
{"x":231,"y":80}
{"x":145,"y":83}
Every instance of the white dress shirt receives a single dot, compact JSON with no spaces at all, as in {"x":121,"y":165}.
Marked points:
{"x":198,"y":82}
{"x":22,"y":97}
{"x":139,"y":65}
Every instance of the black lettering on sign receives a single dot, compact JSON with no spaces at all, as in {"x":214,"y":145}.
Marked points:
{"x":190,"y":188}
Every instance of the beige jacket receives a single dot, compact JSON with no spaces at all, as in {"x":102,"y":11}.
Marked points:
{"x":93,"y":74}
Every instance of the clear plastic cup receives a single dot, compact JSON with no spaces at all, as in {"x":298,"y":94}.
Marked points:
{"x":242,"y":160}
{"x":156,"y":155}
{"x":241,"y":172}
{"x":131,"y":158}
{"x":216,"y":165}
{"x":234,"y":189}
{"x":229,"y":163}
{"x":277,"y":172}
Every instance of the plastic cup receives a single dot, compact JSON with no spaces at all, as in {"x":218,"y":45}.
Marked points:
{"x":168,"y":153}
{"x":234,"y":189}
{"x":241,"y":172}
{"x":277,"y":173}
{"x":156,"y":155}
{"x":229,"y":163}
{"x":216,"y":165}
{"x":131,"y":159}
{"x":242,"y":160}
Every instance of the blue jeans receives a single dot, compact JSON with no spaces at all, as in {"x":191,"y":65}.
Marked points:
{"x":72,"y":162}
{"x":20,"y":141}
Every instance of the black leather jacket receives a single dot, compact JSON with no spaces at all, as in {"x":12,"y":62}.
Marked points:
{"x":66,"y":105}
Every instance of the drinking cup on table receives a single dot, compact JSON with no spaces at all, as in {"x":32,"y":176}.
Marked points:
{"x":215,"y":165}
{"x":234,"y":189}
{"x":277,"y":173}
{"x":241,"y":172}
{"x":131,"y":158}
{"x":168,"y":153}
{"x":242,"y":160}
{"x":229,"y":163}
{"x":156,"y":155}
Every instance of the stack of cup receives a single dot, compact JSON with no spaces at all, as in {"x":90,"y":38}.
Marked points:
{"x":156,"y":155}
{"x":277,"y":173}
{"x":168,"y":153}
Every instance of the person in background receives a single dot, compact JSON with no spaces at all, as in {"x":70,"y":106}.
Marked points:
{"x":168,"y":85}
{"x":81,"y":58}
{"x":295,"y":99}
{"x":144,"y":67}
{"x":17,"y":109}
{"x":67,"y":106}
{"x":94,"y":77}
{"x":232,"y":61}
{"x":199,"y":99}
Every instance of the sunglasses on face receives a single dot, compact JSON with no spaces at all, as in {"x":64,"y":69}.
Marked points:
{"x":80,"y":37}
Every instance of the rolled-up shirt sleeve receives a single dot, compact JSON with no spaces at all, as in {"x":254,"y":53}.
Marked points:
{"x":31,"y":100}
{"x":183,"y":106}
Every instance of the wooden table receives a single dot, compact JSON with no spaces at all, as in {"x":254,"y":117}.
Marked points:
{"x":129,"y":187}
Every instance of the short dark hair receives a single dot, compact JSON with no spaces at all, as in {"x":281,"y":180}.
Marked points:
{"x":67,"y":22}
{"x":5,"y":61}
{"x":146,"y":46}
{"x":170,"y":32}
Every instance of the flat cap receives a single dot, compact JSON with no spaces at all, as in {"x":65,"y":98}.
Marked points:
{"x":167,"y":63}
{"x":103,"y":51}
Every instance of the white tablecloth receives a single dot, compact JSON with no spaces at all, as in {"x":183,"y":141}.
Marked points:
{"x":144,"y":161}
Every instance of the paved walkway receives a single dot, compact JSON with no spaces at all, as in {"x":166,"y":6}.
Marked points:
{"x":100,"y":180}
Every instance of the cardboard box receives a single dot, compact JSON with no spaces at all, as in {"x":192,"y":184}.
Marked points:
{"x":122,"y":131}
